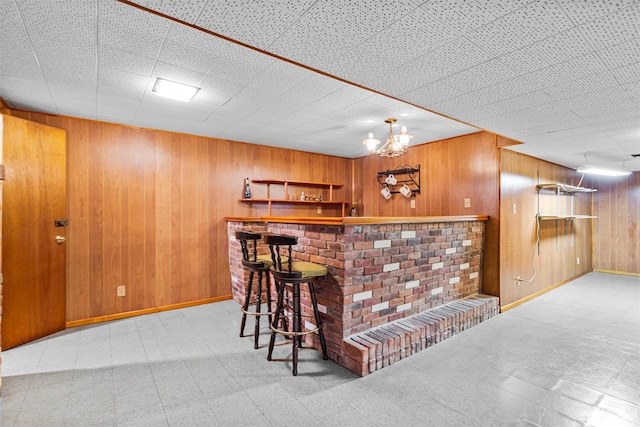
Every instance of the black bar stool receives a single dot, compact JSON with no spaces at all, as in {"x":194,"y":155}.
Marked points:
{"x":254,"y":263}
{"x":289,"y":274}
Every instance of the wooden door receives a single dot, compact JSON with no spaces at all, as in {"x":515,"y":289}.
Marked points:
{"x":33,"y":262}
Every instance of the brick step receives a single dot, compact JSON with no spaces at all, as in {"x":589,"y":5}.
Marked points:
{"x":379,"y":347}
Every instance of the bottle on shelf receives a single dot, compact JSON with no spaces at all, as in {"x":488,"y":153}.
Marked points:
{"x":247,"y":189}
{"x":302,"y":197}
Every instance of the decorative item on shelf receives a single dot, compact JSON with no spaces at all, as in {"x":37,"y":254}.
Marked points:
{"x":407,"y":177}
{"x":396,"y":145}
{"x":247,"y":189}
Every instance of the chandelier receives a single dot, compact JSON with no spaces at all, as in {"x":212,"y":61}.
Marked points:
{"x":395,"y":146}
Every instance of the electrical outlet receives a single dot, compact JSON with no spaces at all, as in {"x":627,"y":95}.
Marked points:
{"x":120,"y":291}
{"x":514,"y":208}
{"x":319,"y":210}
{"x":413,"y":204}
{"x":578,"y":260}
{"x":467,"y":202}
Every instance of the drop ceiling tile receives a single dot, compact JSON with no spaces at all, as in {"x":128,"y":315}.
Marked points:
{"x":468,"y":15}
{"x":76,"y":107}
{"x":116,"y":107}
{"x":18,"y":91}
{"x":430,"y":94}
{"x":414,"y":35}
{"x":26,"y":71}
{"x":295,"y":44}
{"x":628,"y":74}
{"x":616,"y":28}
{"x":187,"y":56}
{"x":134,"y":83}
{"x":16,"y":46}
{"x":581,"y":11}
{"x":216,"y":90}
{"x":297,"y":7}
{"x":243,"y":105}
{"x":458,"y":55}
{"x":109,"y":92}
{"x":271,"y":113}
{"x":534,"y":22}
{"x":132,"y":30}
{"x":185,"y":10}
{"x":356,"y":20}
{"x":621,"y":55}
{"x":240,"y":64}
{"x":256,"y":23}
{"x":486,"y":74}
{"x":505,"y":89}
{"x":577,"y":68}
{"x":278,"y":78}
{"x":545,"y":53}
{"x":113,"y":59}
{"x":176,"y":74}
{"x":585,"y":84}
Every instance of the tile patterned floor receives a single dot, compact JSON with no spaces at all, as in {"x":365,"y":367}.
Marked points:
{"x":568,"y":358}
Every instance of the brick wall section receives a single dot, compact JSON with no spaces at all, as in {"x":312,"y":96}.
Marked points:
{"x":378,"y":274}
{"x":377,"y":348}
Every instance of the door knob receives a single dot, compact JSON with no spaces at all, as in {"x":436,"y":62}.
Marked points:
{"x":60,"y":239}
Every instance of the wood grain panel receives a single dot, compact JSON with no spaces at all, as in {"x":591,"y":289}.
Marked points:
{"x":561,"y":242}
{"x":147,"y":211}
{"x":616,"y":237}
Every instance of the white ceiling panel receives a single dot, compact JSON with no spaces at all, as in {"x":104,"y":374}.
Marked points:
{"x":468,"y":15}
{"x":561,"y":76}
{"x":621,"y":26}
{"x":536,"y":21}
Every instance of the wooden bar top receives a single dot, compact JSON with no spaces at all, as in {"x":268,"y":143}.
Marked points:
{"x":356,"y":220}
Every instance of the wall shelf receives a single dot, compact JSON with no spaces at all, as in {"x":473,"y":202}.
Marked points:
{"x":563,"y":220}
{"x":291,"y":183}
{"x":565,"y":188}
{"x":543,"y":216}
{"x":404,"y":175}
{"x":559,"y":189}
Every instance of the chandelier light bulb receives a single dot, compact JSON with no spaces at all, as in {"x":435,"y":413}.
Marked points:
{"x":394,"y":145}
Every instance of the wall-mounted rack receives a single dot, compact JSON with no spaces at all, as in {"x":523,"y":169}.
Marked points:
{"x":404,"y":175}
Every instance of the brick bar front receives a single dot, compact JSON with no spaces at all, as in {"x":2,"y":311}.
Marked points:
{"x":395,"y":285}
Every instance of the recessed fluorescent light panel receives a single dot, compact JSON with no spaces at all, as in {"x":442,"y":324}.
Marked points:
{"x":597,"y":170}
{"x":173,"y":90}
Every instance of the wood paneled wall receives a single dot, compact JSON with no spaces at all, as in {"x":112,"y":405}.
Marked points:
{"x":146,"y":210}
{"x":561,"y":242}
{"x":450,"y":171}
{"x":616,"y":245}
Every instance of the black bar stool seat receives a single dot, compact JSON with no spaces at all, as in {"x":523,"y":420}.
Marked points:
{"x":290,"y":274}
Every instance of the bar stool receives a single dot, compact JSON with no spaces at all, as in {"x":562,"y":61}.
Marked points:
{"x":289,"y":274}
{"x":254,"y":263}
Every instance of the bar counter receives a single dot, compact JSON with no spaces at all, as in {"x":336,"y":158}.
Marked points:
{"x":381,"y":270}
